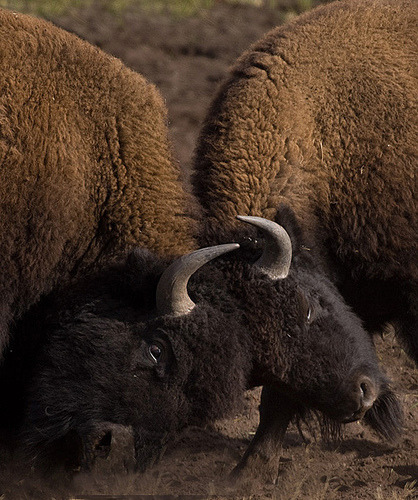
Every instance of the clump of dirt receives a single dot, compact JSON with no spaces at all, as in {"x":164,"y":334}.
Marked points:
{"x":187,"y":58}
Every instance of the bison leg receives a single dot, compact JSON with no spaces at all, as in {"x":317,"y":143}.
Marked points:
{"x":262,"y":457}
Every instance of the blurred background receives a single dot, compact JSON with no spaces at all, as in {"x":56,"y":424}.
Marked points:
{"x":185,"y":47}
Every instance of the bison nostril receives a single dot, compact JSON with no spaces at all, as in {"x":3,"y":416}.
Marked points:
{"x":363,"y":389}
{"x":105,"y":440}
{"x":368,"y":393}
{"x":103,"y":446}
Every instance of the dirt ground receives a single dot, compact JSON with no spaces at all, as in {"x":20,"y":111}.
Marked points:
{"x":187,"y":58}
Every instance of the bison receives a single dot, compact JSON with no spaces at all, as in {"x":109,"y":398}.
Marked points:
{"x":319,"y":117}
{"x":154,"y":347}
{"x":150,"y":343}
{"x":86,"y":165}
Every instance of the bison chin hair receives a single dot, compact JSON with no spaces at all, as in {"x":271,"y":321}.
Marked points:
{"x":330,"y":430}
{"x":386,"y":416}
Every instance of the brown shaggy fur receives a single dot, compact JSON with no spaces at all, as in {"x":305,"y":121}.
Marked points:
{"x":85,"y":163}
{"x":321,"y":115}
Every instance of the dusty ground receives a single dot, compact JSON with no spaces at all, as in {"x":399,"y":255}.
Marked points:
{"x":186,"y":58}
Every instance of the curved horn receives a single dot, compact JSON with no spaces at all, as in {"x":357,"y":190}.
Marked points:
{"x":172,"y":296}
{"x":277,"y":255}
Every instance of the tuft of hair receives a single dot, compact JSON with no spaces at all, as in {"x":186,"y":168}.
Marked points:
{"x":330,"y":430}
{"x":386,"y":416}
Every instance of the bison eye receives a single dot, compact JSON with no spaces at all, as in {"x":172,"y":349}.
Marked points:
{"x":155,"y":352}
{"x":307,"y":312}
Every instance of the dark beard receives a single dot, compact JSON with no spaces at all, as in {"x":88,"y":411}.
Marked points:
{"x":385,"y":418}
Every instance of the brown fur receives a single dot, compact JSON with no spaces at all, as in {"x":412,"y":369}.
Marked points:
{"x":321,"y":115}
{"x":85,"y":163}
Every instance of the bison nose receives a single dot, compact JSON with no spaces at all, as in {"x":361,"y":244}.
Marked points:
{"x":110,"y":447}
{"x":365,"y":396}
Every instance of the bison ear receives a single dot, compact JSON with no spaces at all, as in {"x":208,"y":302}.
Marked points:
{"x":172,"y":297}
{"x":302,"y":244}
{"x":277,"y":255}
{"x":286,"y":217}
